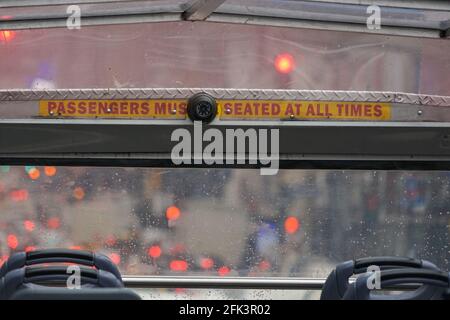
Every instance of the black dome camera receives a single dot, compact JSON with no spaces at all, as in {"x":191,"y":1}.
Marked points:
{"x":202,"y":107}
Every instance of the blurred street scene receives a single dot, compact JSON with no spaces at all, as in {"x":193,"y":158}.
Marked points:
{"x":226,"y":222}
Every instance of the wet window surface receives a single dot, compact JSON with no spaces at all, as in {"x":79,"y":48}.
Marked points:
{"x":226,"y":222}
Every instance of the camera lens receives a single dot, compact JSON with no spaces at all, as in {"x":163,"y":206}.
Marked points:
{"x":202,"y":107}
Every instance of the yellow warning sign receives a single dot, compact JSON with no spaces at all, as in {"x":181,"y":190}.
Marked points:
{"x":165,"y":109}
{"x":227,"y":109}
{"x":282,"y":109}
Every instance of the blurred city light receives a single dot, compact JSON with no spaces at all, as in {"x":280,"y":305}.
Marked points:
{"x":172,"y":213}
{"x":110,"y":240}
{"x":291,"y":225}
{"x":178,"y":265}
{"x":7,"y":36}
{"x":50,"y":171}
{"x":264,"y":265}
{"x":53,"y":223}
{"x":115,"y":258}
{"x":223,"y":271}
{"x":78,"y":193}
{"x":154,"y":251}
{"x":12,"y":241}
{"x":19,"y":195}
{"x":34,"y":173}
{"x":284,"y":63}
{"x":206,"y":263}
{"x":29,"y":225}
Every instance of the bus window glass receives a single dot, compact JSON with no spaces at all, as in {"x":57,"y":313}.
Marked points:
{"x":226,"y":222}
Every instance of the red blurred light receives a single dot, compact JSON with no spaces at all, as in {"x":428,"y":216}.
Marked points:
{"x":223,"y":271}
{"x":154,"y":252}
{"x":172,"y":213}
{"x":110,"y":240}
{"x":34,"y":174}
{"x":19,"y":195}
{"x":29,"y":225}
{"x":75,"y":247}
{"x":7,"y":35}
{"x":206,"y":263}
{"x":50,"y":171}
{"x":178,"y":265}
{"x":284,"y":63}
{"x":78,"y":193}
{"x":53,"y":223}
{"x":115,"y":258}
{"x":30,"y":248}
{"x":264,"y":265}
{"x":291,"y":225}
{"x":12,"y":241}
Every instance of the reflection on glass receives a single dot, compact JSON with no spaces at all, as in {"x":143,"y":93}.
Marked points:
{"x":177,"y":55}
